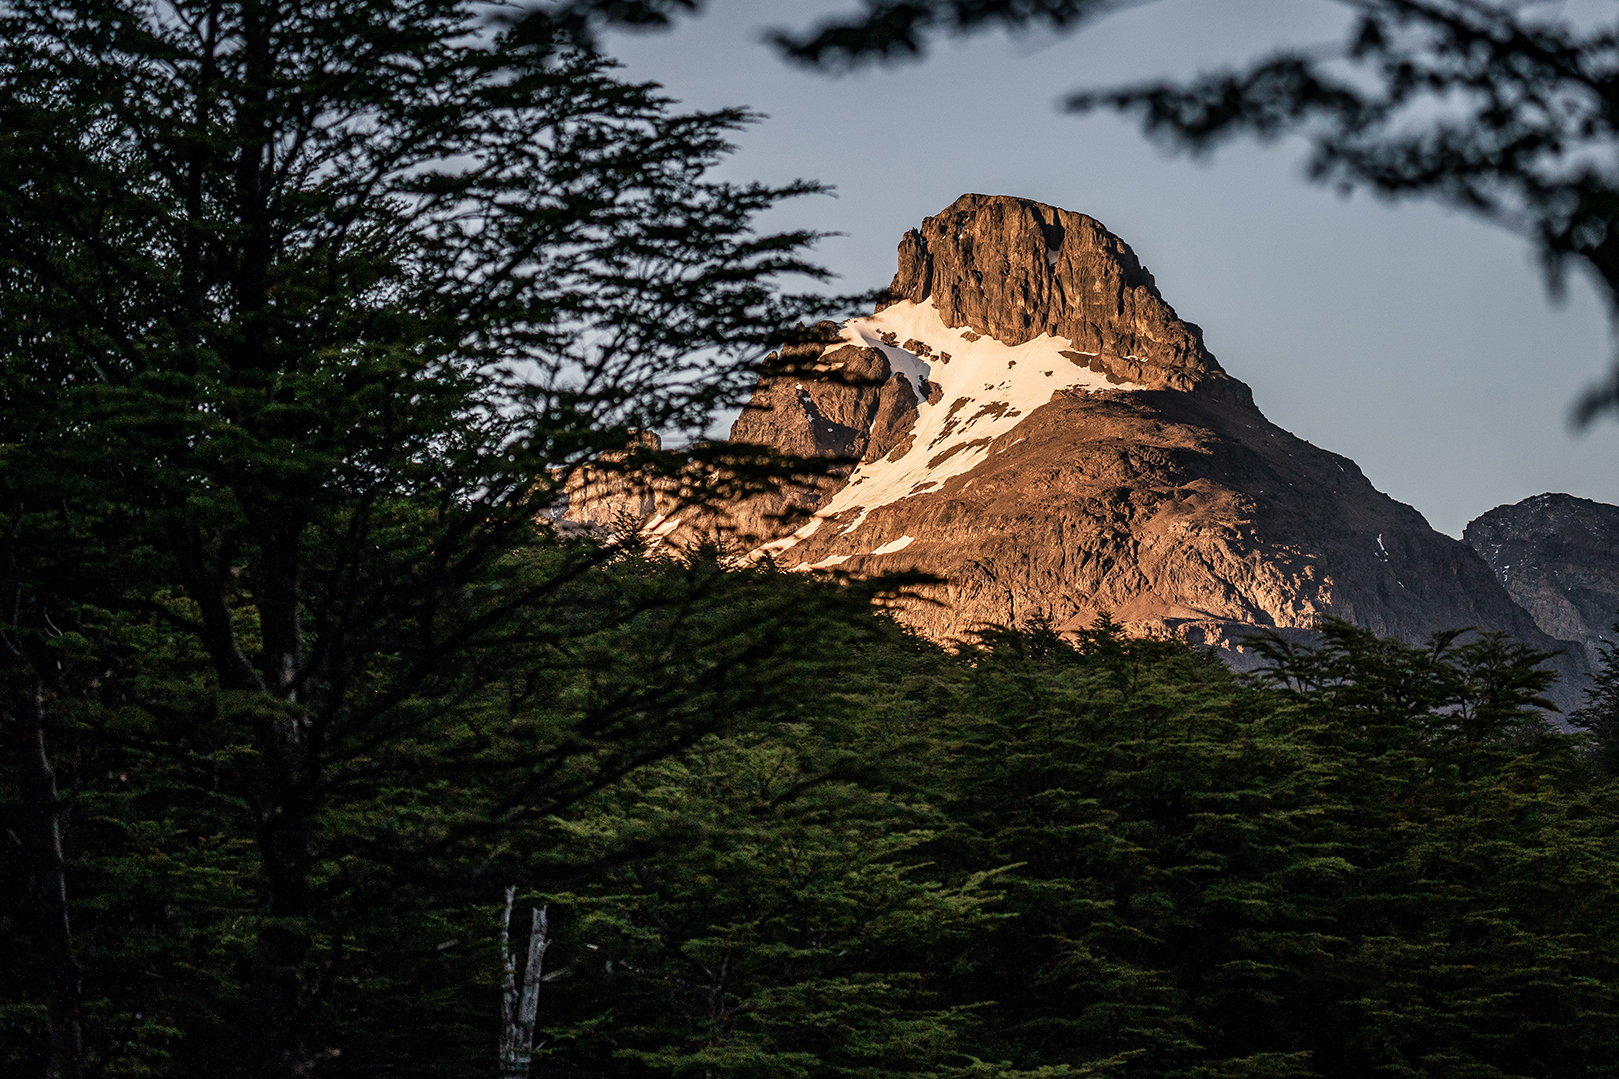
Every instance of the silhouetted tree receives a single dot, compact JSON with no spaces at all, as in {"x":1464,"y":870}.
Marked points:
{"x":1600,"y":714}
{"x":306,"y":311}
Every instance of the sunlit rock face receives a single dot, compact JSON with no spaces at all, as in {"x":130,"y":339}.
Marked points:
{"x":1016,"y":271}
{"x":1025,"y":417}
{"x":1558,"y":556}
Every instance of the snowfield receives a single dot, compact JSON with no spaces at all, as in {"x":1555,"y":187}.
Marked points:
{"x":984,"y":389}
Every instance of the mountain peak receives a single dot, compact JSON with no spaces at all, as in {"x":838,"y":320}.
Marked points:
{"x":1026,"y":419}
{"x":1558,"y":556}
{"x":1015,"y":270}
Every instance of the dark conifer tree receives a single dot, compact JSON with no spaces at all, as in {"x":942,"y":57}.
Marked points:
{"x":1383,"y":861}
{"x":306,"y":310}
{"x":1600,"y":715}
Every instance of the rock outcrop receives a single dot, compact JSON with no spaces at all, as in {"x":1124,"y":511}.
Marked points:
{"x":1558,"y":556}
{"x":1025,"y":417}
{"x":1013,"y":270}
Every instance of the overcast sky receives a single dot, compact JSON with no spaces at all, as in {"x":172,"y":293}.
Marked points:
{"x":1416,"y":341}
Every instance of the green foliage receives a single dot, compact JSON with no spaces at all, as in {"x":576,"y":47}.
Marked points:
{"x":307,"y":312}
{"x":1146,"y":807}
{"x":1386,"y":864}
{"x":766,"y":919}
{"x":1105,"y":856}
{"x":1038,"y":856}
{"x":1600,"y":715}
{"x":484,"y":783}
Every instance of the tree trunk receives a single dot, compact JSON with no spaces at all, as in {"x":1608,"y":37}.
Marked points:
{"x":528,"y":1008}
{"x":284,"y":940}
{"x":508,"y":991}
{"x":520,"y":1012}
{"x":287,"y":763}
{"x":43,"y":842}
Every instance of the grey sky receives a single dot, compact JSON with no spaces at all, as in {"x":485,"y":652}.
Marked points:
{"x":1419,"y":342}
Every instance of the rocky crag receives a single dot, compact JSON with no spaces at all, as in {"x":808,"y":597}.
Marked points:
{"x":1034,"y":424}
{"x":1558,"y":557}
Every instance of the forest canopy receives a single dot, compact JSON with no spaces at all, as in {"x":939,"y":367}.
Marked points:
{"x":1036,"y":856}
{"x":310,"y":707}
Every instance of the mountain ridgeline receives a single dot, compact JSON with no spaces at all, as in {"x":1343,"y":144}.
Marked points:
{"x":1558,"y":556}
{"x":1025,"y":417}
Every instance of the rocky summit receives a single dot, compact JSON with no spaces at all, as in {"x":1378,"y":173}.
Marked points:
{"x":1035,"y":425}
{"x":1558,"y":556}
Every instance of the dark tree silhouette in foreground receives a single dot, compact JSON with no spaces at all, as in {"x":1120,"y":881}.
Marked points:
{"x":306,"y":311}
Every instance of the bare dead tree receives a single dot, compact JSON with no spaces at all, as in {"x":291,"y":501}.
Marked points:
{"x":49,"y":872}
{"x":520,"y":1008}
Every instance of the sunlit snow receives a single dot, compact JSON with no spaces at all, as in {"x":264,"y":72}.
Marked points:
{"x":895,"y":545}
{"x":986,"y":389}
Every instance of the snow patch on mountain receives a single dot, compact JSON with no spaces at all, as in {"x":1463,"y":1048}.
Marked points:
{"x":971,"y":390}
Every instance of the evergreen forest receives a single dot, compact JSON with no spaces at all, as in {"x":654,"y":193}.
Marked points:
{"x":328,"y":751}
{"x":1033,"y":856}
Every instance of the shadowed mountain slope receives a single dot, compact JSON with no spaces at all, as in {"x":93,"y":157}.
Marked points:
{"x":1558,"y":556}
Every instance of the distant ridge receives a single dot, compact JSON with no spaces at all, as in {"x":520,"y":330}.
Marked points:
{"x":1558,"y":556}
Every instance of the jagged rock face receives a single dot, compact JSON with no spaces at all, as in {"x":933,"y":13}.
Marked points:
{"x":1034,"y":425}
{"x":859,"y":412}
{"x":1014,"y":269}
{"x":1558,"y":556}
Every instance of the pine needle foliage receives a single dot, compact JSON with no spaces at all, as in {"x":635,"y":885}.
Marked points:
{"x":307,"y":311}
{"x":1375,"y":859}
{"x":1599,"y":717}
